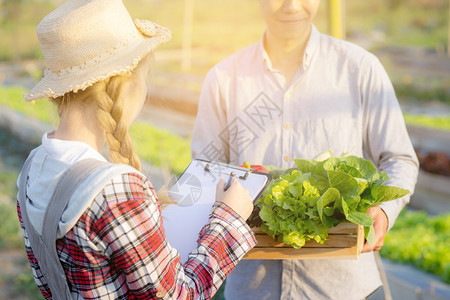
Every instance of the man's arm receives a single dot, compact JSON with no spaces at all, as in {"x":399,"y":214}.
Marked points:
{"x":387,"y":144}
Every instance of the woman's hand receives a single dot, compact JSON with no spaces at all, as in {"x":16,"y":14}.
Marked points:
{"x":236,"y":197}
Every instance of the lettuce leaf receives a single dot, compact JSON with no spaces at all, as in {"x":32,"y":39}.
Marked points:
{"x":302,"y":203}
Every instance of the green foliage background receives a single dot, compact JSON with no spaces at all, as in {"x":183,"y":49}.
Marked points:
{"x":422,"y":241}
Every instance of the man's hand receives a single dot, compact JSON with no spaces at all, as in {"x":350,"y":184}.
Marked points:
{"x":380,"y":226}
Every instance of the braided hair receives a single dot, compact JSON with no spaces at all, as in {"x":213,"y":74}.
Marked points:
{"x":105,"y":95}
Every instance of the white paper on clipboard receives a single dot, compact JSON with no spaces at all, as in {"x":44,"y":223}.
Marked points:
{"x":195,"y":193}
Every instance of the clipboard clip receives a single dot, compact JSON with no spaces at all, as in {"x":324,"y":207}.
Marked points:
{"x":243,"y":177}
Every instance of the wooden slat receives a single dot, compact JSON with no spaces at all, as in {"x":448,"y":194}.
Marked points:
{"x":342,"y":241}
{"x":345,"y":241}
{"x":303,"y":253}
{"x":344,"y":227}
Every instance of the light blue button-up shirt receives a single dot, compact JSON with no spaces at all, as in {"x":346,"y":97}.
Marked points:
{"x":342,"y":100}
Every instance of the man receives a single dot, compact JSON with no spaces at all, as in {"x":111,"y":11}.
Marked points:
{"x":295,"y":94}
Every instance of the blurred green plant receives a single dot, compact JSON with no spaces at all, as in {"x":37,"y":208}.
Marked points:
{"x":420,"y":240}
{"x":23,"y":285}
{"x":400,"y":22}
{"x":11,"y":236}
{"x":18,"y":20}
{"x":434,"y":122}
{"x":10,"y":233}
{"x":161,"y":147}
{"x":43,"y":110}
{"x":8,"y":179}
{"x":428,"y":94}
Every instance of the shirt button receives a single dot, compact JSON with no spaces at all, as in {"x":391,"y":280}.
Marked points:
{"x":287,"y":95}
{"x":160,"y":294}
{"x":286,"y":158}
{"x":286,"y":126}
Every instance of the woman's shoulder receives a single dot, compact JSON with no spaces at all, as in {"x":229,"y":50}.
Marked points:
{"x":126,"y":190}
{"x":129,"y":179}
{"x":122,"y":202}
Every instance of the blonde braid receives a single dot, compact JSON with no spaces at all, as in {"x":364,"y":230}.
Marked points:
{"x":109,"y":115}
{"x":106,"y":96}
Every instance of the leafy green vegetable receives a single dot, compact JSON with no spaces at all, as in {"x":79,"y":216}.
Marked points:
{"x":302,"y":203}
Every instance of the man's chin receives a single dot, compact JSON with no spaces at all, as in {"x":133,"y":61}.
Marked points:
{"x":293,"y":32}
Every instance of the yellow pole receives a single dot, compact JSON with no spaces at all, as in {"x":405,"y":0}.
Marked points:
{"x":336,"y":18}
{"x":186,"y":44}
{"x":448,"y":31}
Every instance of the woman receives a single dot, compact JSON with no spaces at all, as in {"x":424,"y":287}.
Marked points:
{"x":110,"y":240}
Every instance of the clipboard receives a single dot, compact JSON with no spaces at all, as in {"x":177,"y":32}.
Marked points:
{"x":194,"y":194}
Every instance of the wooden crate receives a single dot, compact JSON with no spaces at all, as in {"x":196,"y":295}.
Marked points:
{"x":345,"y":241}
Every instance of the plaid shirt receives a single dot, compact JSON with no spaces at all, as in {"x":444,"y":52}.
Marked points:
{"x":118,"y":250}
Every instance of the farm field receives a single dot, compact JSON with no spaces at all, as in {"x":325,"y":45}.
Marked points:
{"x":410,"y":37}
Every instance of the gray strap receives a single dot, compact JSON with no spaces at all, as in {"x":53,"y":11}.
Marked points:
{"x":44,"y":247}
{"x":48,"y":265}
{"x":69,"y":182}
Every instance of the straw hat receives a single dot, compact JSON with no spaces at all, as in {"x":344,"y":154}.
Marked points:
{"x":85,"y":41}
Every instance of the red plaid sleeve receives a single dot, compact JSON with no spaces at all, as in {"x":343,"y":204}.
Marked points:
{"x":118,"y":248}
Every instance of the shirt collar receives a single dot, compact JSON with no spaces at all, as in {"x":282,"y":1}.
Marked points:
{"x":311,"y":47}
{"x":262,"y":54}
{"x":69,"y":151}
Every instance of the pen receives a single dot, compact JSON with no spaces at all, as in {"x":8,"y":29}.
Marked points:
{"x":232,"y":174}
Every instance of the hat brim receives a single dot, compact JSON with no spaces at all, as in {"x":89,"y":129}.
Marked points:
{"x":54,"y":85}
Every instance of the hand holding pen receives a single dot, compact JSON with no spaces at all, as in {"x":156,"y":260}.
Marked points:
{"x":230,"y":179}
{"x":233,"y":194}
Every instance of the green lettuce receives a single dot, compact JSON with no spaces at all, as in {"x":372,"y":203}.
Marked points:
{"x":302,"y":203}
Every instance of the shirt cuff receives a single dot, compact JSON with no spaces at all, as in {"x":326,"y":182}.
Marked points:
{"x":225,"y":218}
{"x":393,"y":208}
